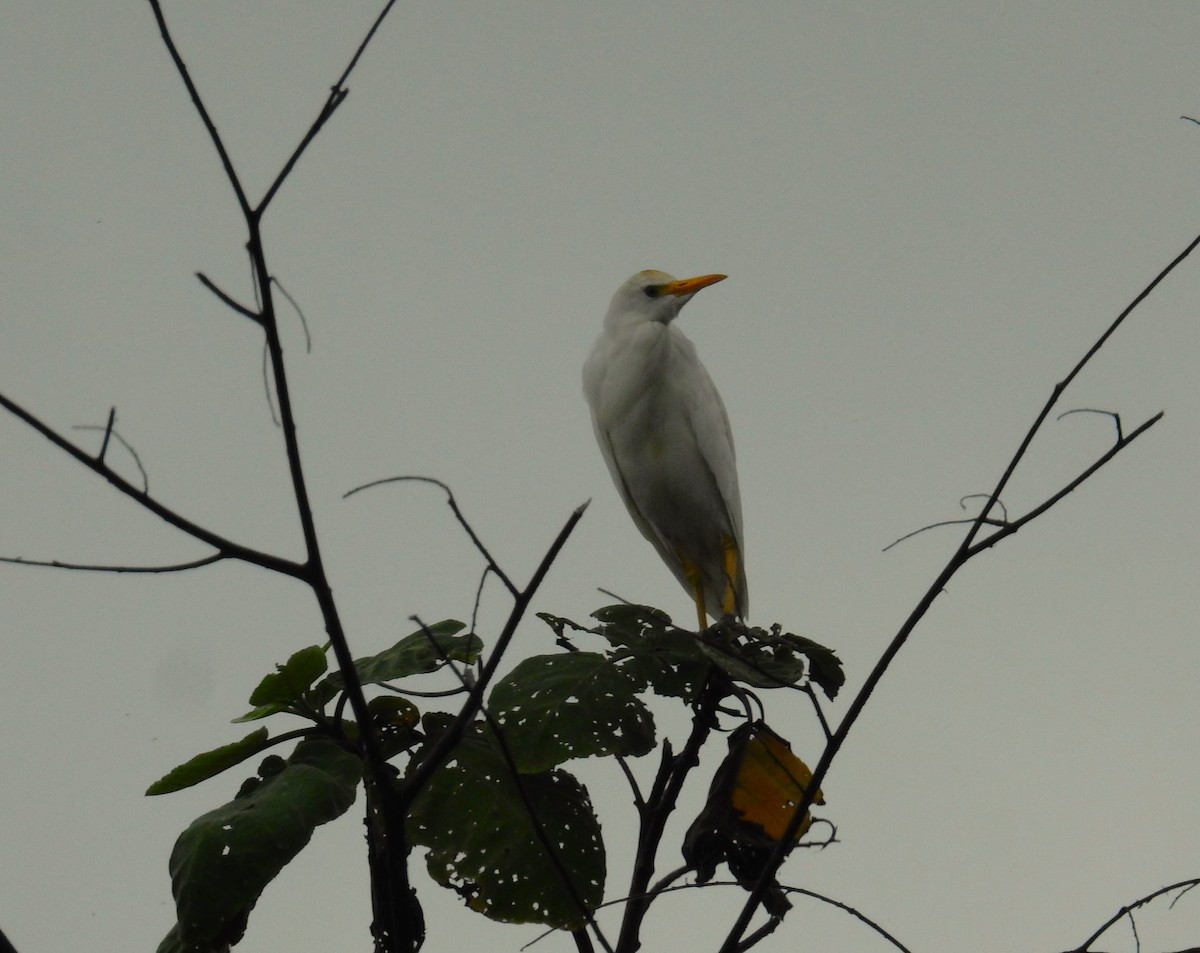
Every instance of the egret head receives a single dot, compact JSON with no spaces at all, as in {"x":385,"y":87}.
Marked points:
{"x":654,"y":296}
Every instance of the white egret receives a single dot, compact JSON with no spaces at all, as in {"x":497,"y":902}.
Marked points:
{"x":665,"y":436}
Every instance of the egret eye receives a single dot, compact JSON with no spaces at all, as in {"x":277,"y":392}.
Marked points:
{"x":652,"y":291}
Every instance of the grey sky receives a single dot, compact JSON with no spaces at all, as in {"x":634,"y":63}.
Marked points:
{"x":927,"y":213}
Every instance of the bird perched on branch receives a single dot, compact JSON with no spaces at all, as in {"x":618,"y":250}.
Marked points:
{"x":665,"y":436}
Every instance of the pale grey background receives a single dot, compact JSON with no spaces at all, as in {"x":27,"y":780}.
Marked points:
{"x":927,"y":213}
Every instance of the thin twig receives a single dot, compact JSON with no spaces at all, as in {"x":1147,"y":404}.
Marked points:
{"x":1066,"y":381}
{"x":108,"y":430}
{"x":1014,"y":525}
{"x":110,"y":433}
{"x":413,"y":693}
{"x":462,"y":520}
{"x":812,"y":697}
{"x":664,"y":886}
{"x":201,"y":110}
{"x":479,"y":597}
{"x":228,"y":301}
{"x":962,"y":554}
{"x":89,"y":567}
{"x":303,"y":320}
{"x":225,"y":547}
{"x":396,"y":924}
{"x":1183,"y":885}
{"x":962,"y":504}
{"x":337,"y":95}
{"x":638,"y":801}
{"x":760,"y":934}
{"x":445,"y":745}
{"x":1094,"y":410}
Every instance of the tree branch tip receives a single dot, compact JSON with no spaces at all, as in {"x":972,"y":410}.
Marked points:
{"x":228,"y":300}
{"x":403,"y":478}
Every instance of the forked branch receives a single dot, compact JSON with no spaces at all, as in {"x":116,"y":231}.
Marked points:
{"x":967,"y":548}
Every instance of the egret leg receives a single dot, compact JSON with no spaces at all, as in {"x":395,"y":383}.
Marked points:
{"x":733,"y":569}
{"x":697,"y":587}
{"x":701,"y":614}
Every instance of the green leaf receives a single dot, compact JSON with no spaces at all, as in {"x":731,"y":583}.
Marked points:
{"x":574,"y":705}
{"x":171,"y":943}
{"x":652,"y":651}
{"x":424,"y":651}
{"x":395,"y":720}
{"x":762,"y":664}
{"x":210,"y":763}
{"x":770,"y":658}
{"x":289,"y":681}
{"x":633,"y":620}
{"x":261,"y":712}
{"x":225,"y":858}
{"x":478,"y":825}
{"x":825,"y":667}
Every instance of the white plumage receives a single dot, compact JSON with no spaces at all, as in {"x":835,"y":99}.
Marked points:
{"x":665,"y":436}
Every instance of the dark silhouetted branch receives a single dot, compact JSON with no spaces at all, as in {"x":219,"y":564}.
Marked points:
{"x":1183,"y":886}
{"x":967,"y":548}
{"x":228,"y":301}
{"x":462,"y":521}
{"x":89,"y":567}
{"x":226,"y":548}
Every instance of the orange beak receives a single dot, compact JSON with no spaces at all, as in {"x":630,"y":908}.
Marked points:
{"x":688,"y":286}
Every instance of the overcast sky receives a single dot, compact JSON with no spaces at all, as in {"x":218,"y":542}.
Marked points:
{"x":927,"y":212}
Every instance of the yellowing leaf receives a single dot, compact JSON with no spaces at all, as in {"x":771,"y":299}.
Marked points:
{"x":769,"y":783}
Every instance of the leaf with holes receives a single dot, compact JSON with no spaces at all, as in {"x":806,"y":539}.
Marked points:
{"x":223,"y":861}
{"x":425,"y":651}
{"x":648,"y":647}
{"x":552,"y":708}
{"x":490,"y":833}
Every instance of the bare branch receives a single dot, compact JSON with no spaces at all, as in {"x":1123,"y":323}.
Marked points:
{"x":638,"y":801}
{"x":966,"y":549}
{"x":201,"y":110}
{"x":228,"y":301}
{"x":89,"y":567}
{"x":613,"y":595}
{"x":337,"y":95}
{"x":303,"y":320}
{"x":760,"y":934}
{"x":110,"y":433}
{"x":583,"y":943}
{"x":660,"y":805}
{"x":226,"y":547}
{"x":108,"y":429}
{"x":816,"y":703}
{"x":1010,"y":528}
{"x":666,"y":885}
{"x":479,"y":597}
{"x":1066,"y":381}
{"x":462,"y":521}
{"x":1092,"y":410}
{"x":1183,"y":886}
{"x":962,"y":504}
